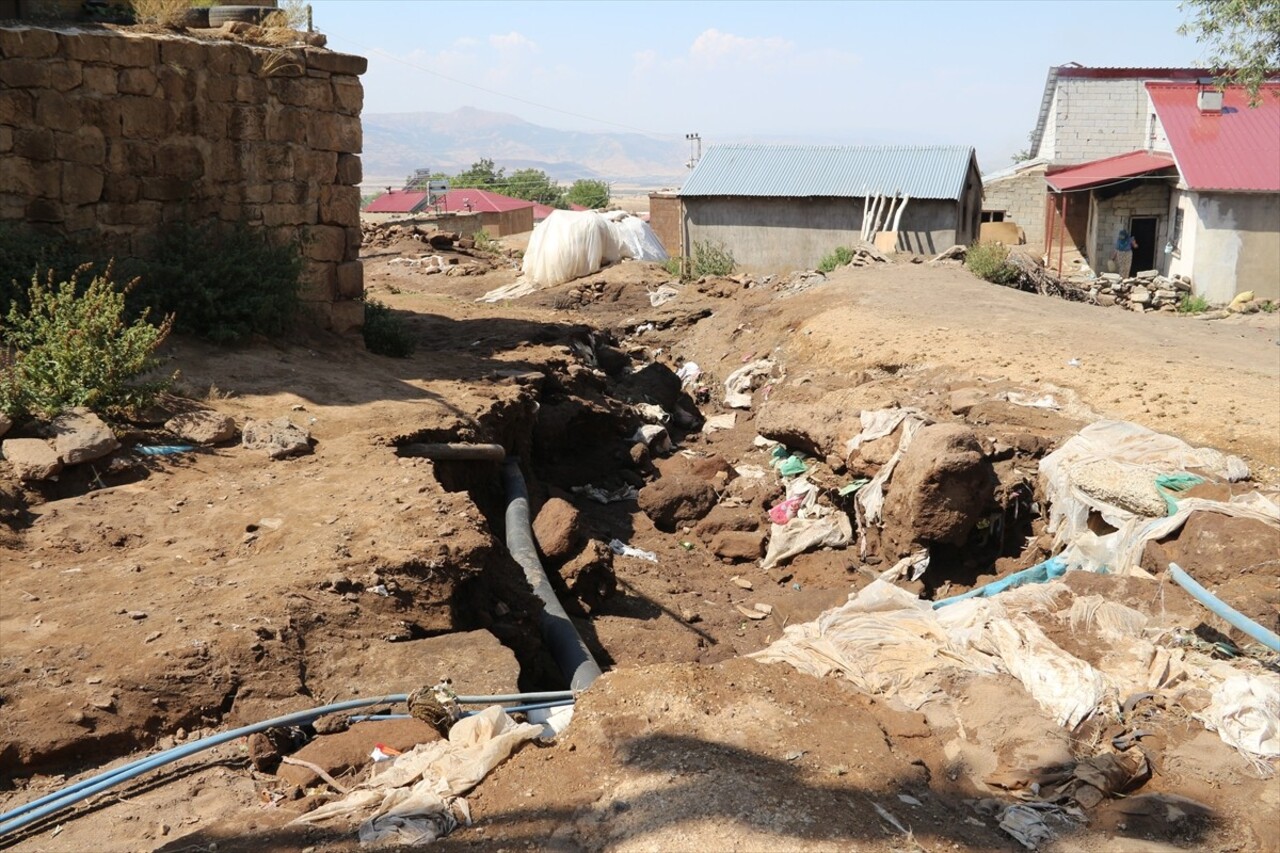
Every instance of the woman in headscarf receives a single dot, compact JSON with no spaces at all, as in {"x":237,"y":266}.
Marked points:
{"x":1123,"y":254}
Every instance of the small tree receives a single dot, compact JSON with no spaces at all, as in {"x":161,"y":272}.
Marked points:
{"x":482,"y":174}
{"x":588,"y":193}
{"x":1243,"y":37}
{"x":534,"y":185}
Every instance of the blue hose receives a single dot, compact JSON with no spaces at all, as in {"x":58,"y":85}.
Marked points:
{"x":49,"y":804}
{"x":517,"y":709}
{"x":1233,"y":617}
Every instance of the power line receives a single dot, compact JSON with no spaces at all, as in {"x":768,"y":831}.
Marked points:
{"x":516,"y":98}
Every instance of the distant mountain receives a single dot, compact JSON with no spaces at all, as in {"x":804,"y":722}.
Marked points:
{"x":397,"y":143}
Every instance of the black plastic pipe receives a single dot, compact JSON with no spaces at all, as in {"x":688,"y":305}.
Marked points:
{"x":566,"y":645}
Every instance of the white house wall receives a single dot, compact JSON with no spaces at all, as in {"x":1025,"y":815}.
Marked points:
{"x":1090,"y":119}
{"x":1231,"y":244}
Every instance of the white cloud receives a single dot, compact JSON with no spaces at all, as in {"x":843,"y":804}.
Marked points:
{"x":511,"y":41}
{"x":713,"y":47}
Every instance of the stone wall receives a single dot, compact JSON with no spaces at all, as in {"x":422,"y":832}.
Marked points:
{"x":110,"y":133}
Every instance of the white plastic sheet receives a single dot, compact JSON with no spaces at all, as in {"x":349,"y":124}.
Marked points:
{"x":411,"y":799}
{"x":567,"y":245}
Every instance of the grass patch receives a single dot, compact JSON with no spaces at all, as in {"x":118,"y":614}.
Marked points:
{"x":68,"y":345}
{"x":840,"y":256}
{"x":673,"y":266}
{"x":1190,"y":304}
{"x":385,"y":332}
{"x":990,"y":262}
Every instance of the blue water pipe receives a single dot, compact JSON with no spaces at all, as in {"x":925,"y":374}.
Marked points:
{"x":1220,"y":608}
{"x":1044,"y":572}
{"x":42,"y":807}
{"x":517,"y":709}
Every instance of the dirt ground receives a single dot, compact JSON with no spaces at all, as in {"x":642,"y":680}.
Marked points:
{"x":187,"y":594}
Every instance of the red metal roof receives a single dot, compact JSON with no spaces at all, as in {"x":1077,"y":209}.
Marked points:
{"x":1126,"y":73}
{"x":1237,"y":150}
{"x":1107,"y":170}
{"x":480,"y":201}
{"x":542,"y":211}
{"x":397,"y":201}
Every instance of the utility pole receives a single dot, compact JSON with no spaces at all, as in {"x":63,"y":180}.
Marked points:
{"x":695,"y":149}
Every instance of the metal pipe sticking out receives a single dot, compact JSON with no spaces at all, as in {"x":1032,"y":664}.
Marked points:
{"x":455,"y":451}
{"x":567,"y":647}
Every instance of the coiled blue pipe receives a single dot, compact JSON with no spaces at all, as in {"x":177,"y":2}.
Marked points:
{"x":38,"y":809}
{"x":1233,"y":617}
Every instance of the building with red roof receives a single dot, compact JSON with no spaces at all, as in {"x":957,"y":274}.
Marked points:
{"x":499,"y":215}
{"x":1188,"y":172}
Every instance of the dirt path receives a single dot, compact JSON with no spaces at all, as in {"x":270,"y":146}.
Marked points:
{"x":265,"y":587}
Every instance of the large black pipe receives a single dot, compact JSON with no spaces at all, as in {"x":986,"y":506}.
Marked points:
{"x":571,"y":654}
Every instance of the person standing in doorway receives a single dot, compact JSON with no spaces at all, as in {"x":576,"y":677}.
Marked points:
{"x":1123,"y":254}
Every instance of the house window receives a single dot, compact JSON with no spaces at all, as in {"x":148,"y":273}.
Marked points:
{"x":1175,"y":236}
{"x":993,"y":216}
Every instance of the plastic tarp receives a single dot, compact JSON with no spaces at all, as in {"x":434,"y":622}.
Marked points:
{"x":1110,"y":467}
{"x":569,"y":244}
{"x":889,"y":643}
{"x":411,"y":799}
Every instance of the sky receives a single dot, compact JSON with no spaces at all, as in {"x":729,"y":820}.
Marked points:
{"x":832,"y":72}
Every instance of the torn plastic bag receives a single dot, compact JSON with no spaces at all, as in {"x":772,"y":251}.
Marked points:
{"x":661,"y":295}
{"x":869,"y":502}
{"x":739,"y":385}
{"x":805,"y":534}
{"x":410,"y":797}
{"x":1245,"y":712}
{"x":654,"y":437}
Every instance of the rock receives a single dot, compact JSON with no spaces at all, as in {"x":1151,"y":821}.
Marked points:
{"x":32,"y":458}
{"x":955,"y":253}
{"x":1106,"y":300}
{"x":672,"y":501}
{"x":589,"y":575}
{"x":1122,"y":486}
{"x":712,"y":468}
{"x":1137,"y":306}
{"x":1140,"y":295}
{"x":653,"y":383}
{"x":6,"y":423}
{"x":475,"y":660}
{"x":279,"y":438}
{"x":940,"y":488}
{"x":558,"y":528}
{"x":1110,"y":276}
{"x":1182,"y":285}
{"x":1167,"y":295}
{"x":1147,"y":274}
{"x":964,"y":399}
{"x":738,"y":546}
{"x":202,"y":427}
{"x":611,"y":359}
{"x":81,"y":436}
{"x":724,"y":518}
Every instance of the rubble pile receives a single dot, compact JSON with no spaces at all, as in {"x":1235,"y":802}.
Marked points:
{"x":1146,"y":291}
{"x":388,"y":234}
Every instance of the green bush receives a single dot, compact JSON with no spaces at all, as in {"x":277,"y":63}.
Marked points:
{"x":223,"y":283}
{"x":840,"y":256}
{"x":71,"y":346}
{"x":486,"y":243}
{"x":1269,"y":307}
{"x":386,"y":333}
{"x":672,"y":266}
{"x":1193,"y":305}
{"x":711,"y":259}
{"x":990,"y":261}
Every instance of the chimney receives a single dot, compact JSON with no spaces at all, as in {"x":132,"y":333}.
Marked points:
{"x":1209,"y":101}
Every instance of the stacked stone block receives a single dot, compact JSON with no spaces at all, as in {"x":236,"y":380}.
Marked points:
{"x":113,"y":134}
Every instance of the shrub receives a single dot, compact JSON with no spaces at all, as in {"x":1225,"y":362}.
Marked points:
{"x":164,"y":13}
{"x":70,"y":346}
{"x":222,"y":283}
{"x":1269,"y":307}
{"x":711,"y":259}
{"x":990,"y":261}
{"x":26,"y":253}
{"x":673,"y":266}
{"x":485,"y":243}
{"x":840,"y":256}
{"x":1193,"y":305}
{"x":386,"y":333}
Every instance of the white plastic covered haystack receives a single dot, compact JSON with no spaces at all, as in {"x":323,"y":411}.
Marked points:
{"x":570,"y":244}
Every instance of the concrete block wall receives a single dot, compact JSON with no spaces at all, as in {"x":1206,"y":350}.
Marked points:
{"x":1022,"y":197}
{"x":112,"y":134}
{"x":1095,"y":118}
{"x":1149,"y":198}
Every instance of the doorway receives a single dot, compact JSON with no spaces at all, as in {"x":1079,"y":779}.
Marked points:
{"x":1143,"y":231}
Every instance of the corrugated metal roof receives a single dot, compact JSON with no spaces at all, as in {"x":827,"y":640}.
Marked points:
{"x":477,"y":200}
{"x":397,"y":201}
{"x":803,"y":171}
{"x":1236,"y":150}
{"x":1107,"y":170}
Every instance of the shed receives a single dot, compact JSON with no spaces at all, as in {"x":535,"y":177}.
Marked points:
{"x":783,"y":207}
